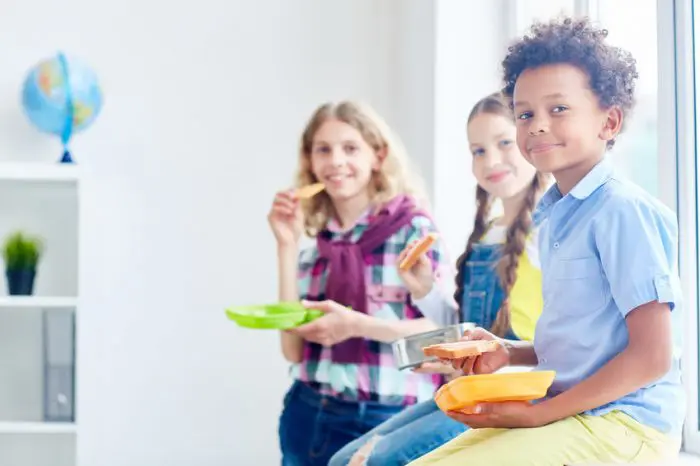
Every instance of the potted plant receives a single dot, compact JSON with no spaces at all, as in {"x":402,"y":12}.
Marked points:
{"x":21,"y":253}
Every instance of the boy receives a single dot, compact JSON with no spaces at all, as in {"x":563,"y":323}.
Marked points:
{"x":610,"y":285}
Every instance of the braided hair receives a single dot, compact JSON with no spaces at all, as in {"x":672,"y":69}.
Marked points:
{"x":516,"y":234}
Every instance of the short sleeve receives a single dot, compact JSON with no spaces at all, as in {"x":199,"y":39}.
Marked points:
{"x":637,"y":242}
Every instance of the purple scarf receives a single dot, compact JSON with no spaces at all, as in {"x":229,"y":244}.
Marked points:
{"x":346,"y":266}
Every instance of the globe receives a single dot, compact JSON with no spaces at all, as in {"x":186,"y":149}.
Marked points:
{"x":61,"y":96}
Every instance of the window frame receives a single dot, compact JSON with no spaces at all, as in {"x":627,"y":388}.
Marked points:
{"x":685,"y":56}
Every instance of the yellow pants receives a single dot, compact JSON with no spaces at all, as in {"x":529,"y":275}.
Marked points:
{"x":611,"y":438}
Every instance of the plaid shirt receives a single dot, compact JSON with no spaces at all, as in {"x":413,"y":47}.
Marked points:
{"x":387,"y":299}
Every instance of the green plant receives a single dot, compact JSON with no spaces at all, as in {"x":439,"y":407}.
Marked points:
{"x":21,"y":251}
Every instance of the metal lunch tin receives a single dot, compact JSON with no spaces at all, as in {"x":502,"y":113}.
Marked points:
{"x":408,"y":351}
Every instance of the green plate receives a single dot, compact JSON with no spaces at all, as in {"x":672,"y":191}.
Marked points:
{"x":279,"y":316}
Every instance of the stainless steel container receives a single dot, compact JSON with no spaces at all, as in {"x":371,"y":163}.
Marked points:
{"x":408,"y":352}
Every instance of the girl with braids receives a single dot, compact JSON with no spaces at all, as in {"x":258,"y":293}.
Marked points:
{"x":498,"y":282}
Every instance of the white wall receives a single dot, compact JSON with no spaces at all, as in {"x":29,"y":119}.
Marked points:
{"x":216,"y":97}
{"x":449,"y":58}
{"x":470,"y":46}
{"x":204,"y":105}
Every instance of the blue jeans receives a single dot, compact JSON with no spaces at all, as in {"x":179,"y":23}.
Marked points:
{"x":313,"y":427}
{"x":422,"y":428}
{"x":408,"y":435}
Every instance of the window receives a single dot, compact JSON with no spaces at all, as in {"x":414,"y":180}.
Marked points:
{"x":636,"y":152}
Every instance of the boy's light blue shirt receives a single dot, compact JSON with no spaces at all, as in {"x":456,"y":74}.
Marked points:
{"x":606,"y":248}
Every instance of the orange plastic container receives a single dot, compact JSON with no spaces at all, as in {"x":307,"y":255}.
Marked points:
{"x":464,"y":392}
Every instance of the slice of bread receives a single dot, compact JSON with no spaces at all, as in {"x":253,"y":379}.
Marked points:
{"x":418,"y":250}
{"x":309,"y":191}
{"x":461,"y":349}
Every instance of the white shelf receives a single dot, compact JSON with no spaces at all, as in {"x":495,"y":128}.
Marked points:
{"x":37,"y":427}
{"x":39,"y":171}
{"x":37,"y":302}
{"x":23,"y":340}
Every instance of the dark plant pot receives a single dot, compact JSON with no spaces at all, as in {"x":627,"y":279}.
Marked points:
{"x":20,"y":282}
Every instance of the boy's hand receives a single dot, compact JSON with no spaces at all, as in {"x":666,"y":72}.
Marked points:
{"x":507,"y":414}
{"x":486,"y":363}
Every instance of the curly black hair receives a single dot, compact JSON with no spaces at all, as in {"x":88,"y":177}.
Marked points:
{"x":612,"y":71}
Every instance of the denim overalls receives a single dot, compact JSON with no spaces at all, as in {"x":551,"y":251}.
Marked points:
{"x":483,"y":294}
{"x":421,"y":428}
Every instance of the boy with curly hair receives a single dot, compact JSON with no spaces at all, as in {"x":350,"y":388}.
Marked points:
{"x":610,"y":283}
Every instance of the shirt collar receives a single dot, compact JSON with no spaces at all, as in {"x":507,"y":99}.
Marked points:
{"x":594,"y":179}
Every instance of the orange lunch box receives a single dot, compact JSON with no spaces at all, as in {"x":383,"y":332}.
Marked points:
{"x":467,"y":391}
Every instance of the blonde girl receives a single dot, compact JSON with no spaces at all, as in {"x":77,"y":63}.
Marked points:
{"x":345,"y":379}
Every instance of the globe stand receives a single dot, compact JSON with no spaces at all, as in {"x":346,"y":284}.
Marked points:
{"x":66,"y":158}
